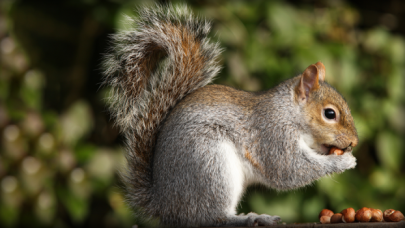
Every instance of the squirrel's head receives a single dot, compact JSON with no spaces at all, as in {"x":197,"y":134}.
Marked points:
{"x":327,"y":116}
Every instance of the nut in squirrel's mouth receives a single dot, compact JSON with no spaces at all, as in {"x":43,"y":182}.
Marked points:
{"x":325,"y":148}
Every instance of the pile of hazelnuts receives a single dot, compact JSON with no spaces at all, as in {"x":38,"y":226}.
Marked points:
{"x":363,"y":215}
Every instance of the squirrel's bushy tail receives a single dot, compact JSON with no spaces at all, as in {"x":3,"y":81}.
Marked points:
{"x":150,"y":68}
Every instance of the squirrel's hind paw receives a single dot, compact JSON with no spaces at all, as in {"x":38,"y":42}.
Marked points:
{"x":262,"y":220}
{"x":252,"y":219}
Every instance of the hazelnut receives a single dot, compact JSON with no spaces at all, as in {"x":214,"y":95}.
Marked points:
{"x":325,"y":219}
{"x":335,"y":151}
{"x":336,"y":218}
{"x":391,"y":215}
{"x":348,"y":215}
{"x":364,"y":215}
{"x":376,"y":215}
{"x":326,"y":212}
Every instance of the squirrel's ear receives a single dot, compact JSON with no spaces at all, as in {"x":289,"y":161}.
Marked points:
{"x":321,"y":71}
{"x":310,"y":80}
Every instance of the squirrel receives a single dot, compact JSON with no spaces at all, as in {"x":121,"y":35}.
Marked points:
{"x":193,"y":148}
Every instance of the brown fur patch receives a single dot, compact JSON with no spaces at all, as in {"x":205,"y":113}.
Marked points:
{"x":191,"y":56}
{"x":221,"y":95}
{"x":249,"y":157}
{"x":135,"y":83}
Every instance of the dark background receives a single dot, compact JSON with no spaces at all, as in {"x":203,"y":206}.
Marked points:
{"x":60,"y":152}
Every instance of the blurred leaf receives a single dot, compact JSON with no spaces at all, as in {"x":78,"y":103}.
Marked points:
{"x":332,"y":187}
{"x":8,"y":215}
{"x":383,"y":180}
{"x":282,"y":19}
{"x":348,"y":78}
{"x":376,"y":40}
{"x":33,"y":123}
{"x":285,"y":207}
{"x":311,"y":207}
{"x":34,"y":80}
{"x":395,"y":115}
{"x":76,"y":122}
{"x":51,"y":120}
{"x":76,"y":206}
{"x":45,"y":207}
{"x":389,"y":150}
{"x":85,"y":152}
{"x":79,"y":184}
{"x":101,"y":166}
{"x":364,"y":129}
{"x":4,"y":89}
{"x":395,"y":84}
{"x":396,"y":47}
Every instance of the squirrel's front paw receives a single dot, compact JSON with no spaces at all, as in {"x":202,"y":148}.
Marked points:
{"x":346,"y":161}
{"x":262,"y":220}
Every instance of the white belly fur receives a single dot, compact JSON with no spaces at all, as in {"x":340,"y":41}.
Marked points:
{"x":234,"y":173}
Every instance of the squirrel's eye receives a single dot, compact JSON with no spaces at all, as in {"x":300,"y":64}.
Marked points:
{"x":330,"y":114}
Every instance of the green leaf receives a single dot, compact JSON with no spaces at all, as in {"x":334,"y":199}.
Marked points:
{"x":389,"y":150}
{"x":76,"y":123}
{"x":85,"y":152}
{"x":76,"y":206}
{"x":8,"y":215}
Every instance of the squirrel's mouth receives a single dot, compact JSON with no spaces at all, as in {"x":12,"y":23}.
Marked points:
{"x":325,"y":148}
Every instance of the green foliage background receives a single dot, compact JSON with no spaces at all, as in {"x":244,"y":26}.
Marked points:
{"x":60,"y":152}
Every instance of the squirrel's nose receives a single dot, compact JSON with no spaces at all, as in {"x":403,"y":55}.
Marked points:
{"x":354,"y":142}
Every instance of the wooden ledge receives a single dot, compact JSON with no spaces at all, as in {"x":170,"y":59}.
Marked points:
{"x":400,"y":224}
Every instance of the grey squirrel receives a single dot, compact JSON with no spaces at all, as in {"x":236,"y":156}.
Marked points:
{"x":193,"y":148}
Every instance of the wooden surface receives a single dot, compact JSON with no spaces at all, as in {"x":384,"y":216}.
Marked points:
{"x":400,"y":224}
{"x":351,"y":225}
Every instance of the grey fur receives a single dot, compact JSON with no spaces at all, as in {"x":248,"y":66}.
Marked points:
{"x":192,"y":149}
